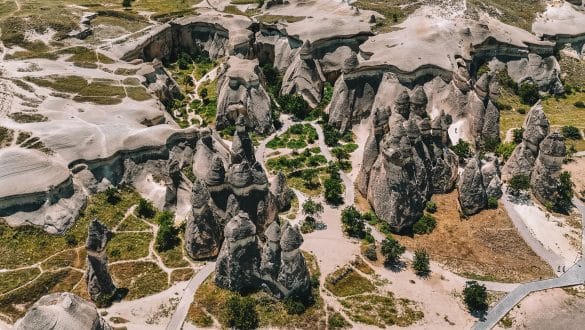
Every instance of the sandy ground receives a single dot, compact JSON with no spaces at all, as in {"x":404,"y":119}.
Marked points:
{"x":553,"y":231}
{"x":548,"y":310}
{"x":577,"y":170}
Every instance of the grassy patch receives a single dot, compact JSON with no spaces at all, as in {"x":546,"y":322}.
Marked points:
{"x":516,"y":13}
{"x":381,"y":310}
{"x":347,"y":282}
{"x":69,"y":258}
{"x":298,"y":136}
{"x":27,"y":118}
{"x":140,"y":278}
{"x":394,"y":11}
{"x":138,"y":93}
{"x":15,"y":304}
{"x":128,"y":246}
{"x":173,"y":258}
{"x":273,"y":19}
{"x":12,"y":280}
{"x":198,"y":317}
{"x":84,"y":57}
{"x":125,"y":72}
{"x":6,"y":136}
{"x":180,"y":275}
{"x":132,"y":223}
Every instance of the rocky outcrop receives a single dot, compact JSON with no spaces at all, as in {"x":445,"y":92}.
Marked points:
{"x":303,"y":77}
{"x":406,"y":159}
{"x":544,"y":72}
{"x":62,"y":311}
{"x":522,"y":160}
{"x":99,"y":282}
{"x":241,"y":93}
{"x":293,"y":274}
{"x":283,"y":195}
{"x":238,"y":260}
{"x":547,"y":169}
{"x":479,"y":182}
{"x":203,"y":231}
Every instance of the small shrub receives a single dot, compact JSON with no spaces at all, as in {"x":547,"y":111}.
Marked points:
{"x":70,"y":240}
{"x":564,"y":194}
{"x":241,"y":313}
{"x":462,"y":149}
{"x":112,"y":196}
{"x":475,"y":297}
{"x":521,"y":111}
{"x":431,"y":207}
{"x":492,"y":203}
{"x":528,"y":93}
{"x":167,"y":235}
{"x":337,"y":321}
{"x":421,"y":263}
{"x":519,"y":183}
{"x":145,"y":209}
{"x":294,"y":307}
{"x":505,"y":150}
{"x":571,"y":133}
{"x":353,"y":224}
{"x":370,"y":252}
{"x":425,"y":225}
{"x":127,"y":3}
{"x":579,"y":104}
{"x":518,"y":134}
{"x":391,"y":250}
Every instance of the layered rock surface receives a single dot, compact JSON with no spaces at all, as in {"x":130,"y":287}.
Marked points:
{"x":62,"y":311}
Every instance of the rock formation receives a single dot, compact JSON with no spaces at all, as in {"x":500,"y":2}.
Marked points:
{"x":547,"y":169}
{"x":282,"y":193}
{"x":406,"y":160}
{"x":303,"y":77}
{"x":479,"y":182}
{"x":293,"y":274}
{"x":99,"y":282}
{"x":522,"y":160}
{"x":62,"y":311}
{"x":203,"y":234}
{"x":241,"y":93}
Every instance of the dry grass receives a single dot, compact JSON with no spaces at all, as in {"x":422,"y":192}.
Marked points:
{"x":347,"y":282}
{"x":180,"y":275}
{"x":69,"y":258}
{"x":140,"y":278}
{"x":485,"y":246}
{"x":14,"y":279}
{"x":381,"y":310}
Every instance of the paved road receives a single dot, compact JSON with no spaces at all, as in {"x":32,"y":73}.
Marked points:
{"x":545,"y":254}
{"x":574,"y":276}
{"x":188,"y":295}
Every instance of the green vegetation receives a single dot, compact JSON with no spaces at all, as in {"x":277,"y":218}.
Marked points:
{"x":273,"y":19}
{"x":381,"y":310}
{"x":505,"y":150}
{"x":421,"y":263}
{"x":132,"y":223}
{"x":347,"y":282}
{"x":475,"y":297}
{"x":69,"y":258}
{"x":516,"y":13}
{"x":425,"y":225}
{"x":431,"y":207}
{"x":571,"y":133}
{"x":353,"y":223}
{"x":241,"y":313}
{"x":182,"y":274}
{"x":529,"y":93}
{"x":141,"y":278}
{"x":294,"y":104}
{"x":25,"y":117}
{"x":207,"y":108}
{"x":167,"y":236}
{"x":145,"y":209}
{"x":394,"y":11}
{"x":564,"y":194}
{"x":128,"y":246}
{"x":492,"y":203}
{"x":331,"y":135}
{"x":6,"y":136}
{"x":198,"y":317}
{"x":312,"y":210}
{"x":12,"y":280}
{"x":462,"y":149}
{"x":173,"y":258}
{"x":298,"y":136}
{"x":85,"y":57}
{"x":337,"y":321}
{"x":138,"y":93}
{"x":519,"y":183}
{"x":391,"y":250}
{"x":333,"y":186}
{"x":310,"y":158}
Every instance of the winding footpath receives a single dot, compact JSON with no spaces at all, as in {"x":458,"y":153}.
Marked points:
{"x":574,"y":276}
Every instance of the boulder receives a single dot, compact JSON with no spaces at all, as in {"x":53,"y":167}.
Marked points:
{"x":62,"y":311}
{"x":472,"y":195}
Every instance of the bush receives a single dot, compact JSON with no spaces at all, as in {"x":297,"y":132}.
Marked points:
{"x":564,"y":194}
{"x":331,"y":135}
{"x":295,"y":105}
{"x":309,"y":225}
{"x":312,"y":208}
{"x":425,"y":225}
{"x":391,"y":250}
{"x":528,"y":93}
{"x":475,"y":297}
{"x":294,"y":307}
{"x":571,"y":133}
{"x":505,"y":150}
{"x":112,"y":196}
{"x":370,"y":252}
{"x":519,"y":183}
{"x":492,"y":203}
{"x":145,"y":209}
{"x":333,"y":189}
{"x":241,"y":313}
{"x":371,"y":218}
{"x":167,"y":236}
{"x":579,"y":104}
{"x":431,"y":207}
{"x":69,"y":239}
{"x":491,"y":143}
{"x":184,"y":61}
{"x":337,"y":321}
{"x":421,"y":263}
{"x":518,"y":134}
{"x":126,"y":3}
{"x":353,"y":224}
{"x":273,"y":79}
{"x":462,"y":149}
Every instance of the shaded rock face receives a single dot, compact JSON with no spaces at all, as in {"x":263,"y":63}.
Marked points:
{"x":522,"y":160}
{"x":479,"y":182}
{"x":547,"y":169}
{"x":220,"y":194}
{"x":99,"y":282}
{"x":62,"y":311}
{"x":406,"y":159}
{"x":544,"y":72}
{"x":303,"y":77}
{"x":241,"y":93}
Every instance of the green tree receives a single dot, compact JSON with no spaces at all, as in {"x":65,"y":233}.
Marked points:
{"x":519,"y":183}
{"x":425,"y":225}
{"x":312,"y":208}
{"x":333,"y":191}
{"x":126,"y":3}
{"x":505,"y":150}
{"x":370,"y":252}
{"x":518,"y":134}
{"x":353,"y":223}
{"x":112,"y":196}
{"x":528,"y":93}
{"x":564,"y":193}
{"x":571,"y":133}
{"x":462,"y":149}
{"x":475,"y":297}
{"x":167,"y":236}
{"x":431,"y":207}
{"x":421,"y":263}
{"x":241,"y":313}
{"x":331,"y":135}
{"x":145,"y":209}
{"x":391,"y":250}
{"x":340,"y":153}
{"x":295,"y":105}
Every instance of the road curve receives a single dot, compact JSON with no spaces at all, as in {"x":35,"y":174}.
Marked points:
{"x":188,"y":295}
